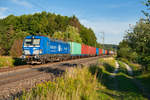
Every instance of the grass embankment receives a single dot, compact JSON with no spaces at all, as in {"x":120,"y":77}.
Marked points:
{"x":109,"y":64}
{"x":122,"y":85}
{"x":88,"y":83}
{"x":8,"y":61}
{"x":76,"y":84}
{"x":143,"y":77}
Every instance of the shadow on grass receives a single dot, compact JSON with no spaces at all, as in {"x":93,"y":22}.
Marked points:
{"x":55,"y":71}
{"x":108,"y":67}
{"x":145,"y":80}
{"x":126,"y":84}
{"x":103,"y":77}
{"x":122,"y":70}
{"x":18,"y":61}
{"x":137,"y":72}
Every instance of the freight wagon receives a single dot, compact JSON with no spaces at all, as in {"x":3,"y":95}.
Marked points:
{"x":97,"y":51}
{"x":41,"y":49}
{"x":85,"y":50}
{"x":100,"y":51}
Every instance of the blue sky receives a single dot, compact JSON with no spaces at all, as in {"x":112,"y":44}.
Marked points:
{"x":109,"y":16}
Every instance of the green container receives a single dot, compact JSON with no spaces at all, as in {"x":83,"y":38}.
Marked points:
{"x":75,"y":48}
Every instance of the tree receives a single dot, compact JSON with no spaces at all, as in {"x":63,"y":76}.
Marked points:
{"x":125,"y":51}
{"x":71,"y":34}
{"x":88,"y":36}
{"x":58,"y":35}
{"x":136,"y":44}
{"x":147,"y":13}
{"x":137,"y":41}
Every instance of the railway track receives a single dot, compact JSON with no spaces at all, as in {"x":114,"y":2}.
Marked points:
{"x":32,"y":66}
{"x":12,"y":82}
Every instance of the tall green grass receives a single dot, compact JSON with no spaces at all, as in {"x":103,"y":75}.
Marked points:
{"x":108,"y":63}
{"x":6,"y":61}
{"x":76,"y":84}
{"x":87,"y":83}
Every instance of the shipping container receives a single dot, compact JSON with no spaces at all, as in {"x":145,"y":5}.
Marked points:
{"x":92,"y":50}
{"x":97,"y":51}
{"x":100,"y":51}
{"x":58,"y":47}
{"x":75,"y":48}
{"x":111,"y":52}
{"x":85,"y":49}
{"x":103,"y":51}
{"x":106,"y":52}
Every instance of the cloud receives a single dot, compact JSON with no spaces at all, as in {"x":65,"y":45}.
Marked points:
{"x":2,"y":10}
{"x":22,"y":3}
{"x":114,"y":30}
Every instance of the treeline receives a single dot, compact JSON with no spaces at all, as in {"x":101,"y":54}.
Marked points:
{"x":110,"y":47}
{"x":14,"y":28}
{"x":136,"y":44}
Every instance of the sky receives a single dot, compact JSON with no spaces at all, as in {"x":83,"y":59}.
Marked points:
{"x":111,"y":17}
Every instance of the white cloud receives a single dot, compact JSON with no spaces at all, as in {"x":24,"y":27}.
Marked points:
{"x":2,"y":10}
{"x":114,"y":30}
{"x":22,"y":3}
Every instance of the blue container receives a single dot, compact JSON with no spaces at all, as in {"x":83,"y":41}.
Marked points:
{"x":40,"y":45}
{"x":97,"y":51}
{"x":103,"y":51}
{"x":58,"y":47}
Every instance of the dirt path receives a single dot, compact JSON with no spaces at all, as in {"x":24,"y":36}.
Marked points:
{"x":113,"y":76}
{"x":116,"y":70}
{"x":129,"y":69}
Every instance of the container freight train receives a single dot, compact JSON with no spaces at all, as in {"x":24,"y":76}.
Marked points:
{"x":41,"y":49}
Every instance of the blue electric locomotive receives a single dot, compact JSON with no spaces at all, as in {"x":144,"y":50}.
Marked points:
{"x":42,"y":49}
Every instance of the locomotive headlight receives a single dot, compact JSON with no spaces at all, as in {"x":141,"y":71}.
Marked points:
{"x":26,"y":52}
{"x":40,"y":51}
{"x":23,"y":57}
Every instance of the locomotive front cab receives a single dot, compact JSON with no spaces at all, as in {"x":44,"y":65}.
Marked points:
{"x":32,"y":48}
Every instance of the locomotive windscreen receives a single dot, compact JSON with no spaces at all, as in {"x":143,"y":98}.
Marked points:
{"x":31,"y":42}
